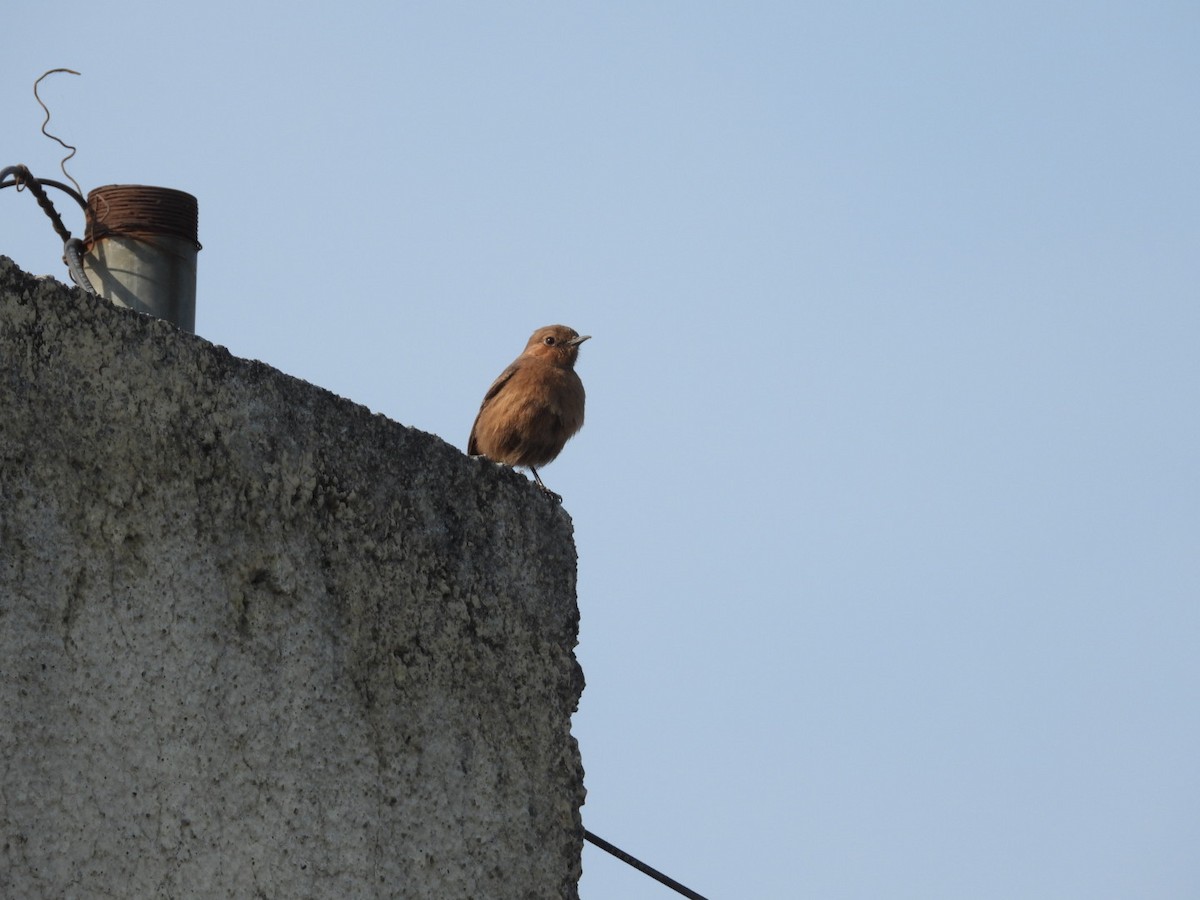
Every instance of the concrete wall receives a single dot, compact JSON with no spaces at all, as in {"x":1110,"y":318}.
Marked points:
{"x":258,"y":642}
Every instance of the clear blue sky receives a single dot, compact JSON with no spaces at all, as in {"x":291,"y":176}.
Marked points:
{"x":888,"y":500}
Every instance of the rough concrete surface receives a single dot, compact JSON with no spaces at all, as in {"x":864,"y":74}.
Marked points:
{"x":258,"y":642}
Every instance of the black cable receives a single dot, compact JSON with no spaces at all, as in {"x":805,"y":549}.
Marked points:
{"x":73,"y":251}
{"x":22,"y":177}
{"x":73,"y":248}
{"x":641,"y":866}
{"x":49,"y":182}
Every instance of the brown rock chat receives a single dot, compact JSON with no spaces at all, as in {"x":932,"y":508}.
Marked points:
{"x":535,"y":406}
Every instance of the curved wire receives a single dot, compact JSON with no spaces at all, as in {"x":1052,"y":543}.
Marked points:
{"x":62,"y":165}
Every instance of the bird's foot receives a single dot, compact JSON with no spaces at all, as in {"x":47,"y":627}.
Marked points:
{"x":545,"y":490}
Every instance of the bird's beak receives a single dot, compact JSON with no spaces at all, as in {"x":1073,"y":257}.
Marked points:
{"x":576,"y":341}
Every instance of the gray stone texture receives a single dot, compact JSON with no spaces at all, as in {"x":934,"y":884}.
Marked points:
{"x":258,"y":642}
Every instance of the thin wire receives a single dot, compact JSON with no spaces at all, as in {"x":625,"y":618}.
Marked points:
{"x":641,"y":866}
{"x":62,"y":165}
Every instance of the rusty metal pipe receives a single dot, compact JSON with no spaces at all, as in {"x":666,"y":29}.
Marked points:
{"x":141,"y":250}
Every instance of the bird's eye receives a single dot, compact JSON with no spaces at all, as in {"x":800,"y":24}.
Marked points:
{"x":549,"y":340}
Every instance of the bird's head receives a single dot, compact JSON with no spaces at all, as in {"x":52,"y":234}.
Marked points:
{"x":556,"y":344}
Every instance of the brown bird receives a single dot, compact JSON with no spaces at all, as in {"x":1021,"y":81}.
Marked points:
{"x":535,"y":406}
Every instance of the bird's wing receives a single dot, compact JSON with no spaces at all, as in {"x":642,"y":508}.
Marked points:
{"x":505,"y":376}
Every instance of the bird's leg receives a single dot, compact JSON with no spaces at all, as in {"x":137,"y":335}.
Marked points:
{"x":538,"y":479}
